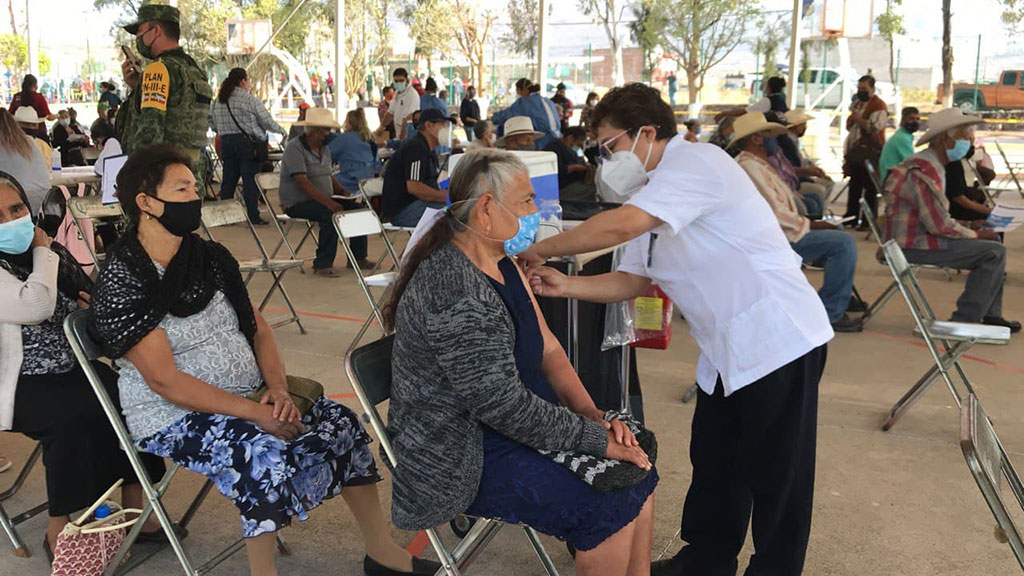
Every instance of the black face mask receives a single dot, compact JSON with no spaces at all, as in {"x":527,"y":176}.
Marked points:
{"x":180,"y":218}
{"x":470,"y":95}
{"x":862,"y":95}
{"x":912,"y":127}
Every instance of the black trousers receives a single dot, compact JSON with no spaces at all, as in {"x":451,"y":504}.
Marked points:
{"x":80,"y":450}
{"x":753,"y":454}
{"x":860,"y":185}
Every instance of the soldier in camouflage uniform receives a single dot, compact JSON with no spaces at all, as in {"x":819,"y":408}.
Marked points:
{"x":170,"y":99}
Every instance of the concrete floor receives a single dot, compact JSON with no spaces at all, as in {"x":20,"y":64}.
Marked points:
{"x":899,"y":502}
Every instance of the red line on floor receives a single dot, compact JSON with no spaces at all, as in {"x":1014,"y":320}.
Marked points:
{"x":340,"y":396}
{"x":419,"y":544}
{"x":965,"y":356}
{"x":316,"y":315}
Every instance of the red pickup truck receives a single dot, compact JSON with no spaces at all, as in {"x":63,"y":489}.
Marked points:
{"x":1006,"y":93}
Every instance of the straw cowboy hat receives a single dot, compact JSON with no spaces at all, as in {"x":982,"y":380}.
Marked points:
{"x":321,"y":117}
{"x":752,"y":123}
{"x":517,"y":125}
{"x":945,"y":120}
{"x":796,"y":117}
{"x":26,"y":115}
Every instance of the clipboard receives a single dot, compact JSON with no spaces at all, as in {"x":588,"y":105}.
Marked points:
{"x":111,"y":167}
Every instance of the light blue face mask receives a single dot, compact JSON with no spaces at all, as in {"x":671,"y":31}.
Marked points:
{"x":399,"y":86}
{"x":16,"y":236}
{"x":528,"y":226}
{"x":959,"y":150}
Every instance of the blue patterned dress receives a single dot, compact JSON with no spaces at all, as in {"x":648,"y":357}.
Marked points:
{"x":520,"y":485}
{"x":268,"y":479}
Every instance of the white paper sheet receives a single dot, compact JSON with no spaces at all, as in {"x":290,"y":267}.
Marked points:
{"x":1005,"y":218}
{"x":111,"y":166}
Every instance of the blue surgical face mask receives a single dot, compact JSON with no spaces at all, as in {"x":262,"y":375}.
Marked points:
{"x":526,"y":235}
{"x":16,"y":236}
{"x":771,"y":146}
{"x":959,"y":150}
{"x":399,"y":86}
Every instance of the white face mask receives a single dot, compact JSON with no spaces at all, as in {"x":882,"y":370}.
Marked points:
{"x":445,"y":135}
{"x":622,"y":174}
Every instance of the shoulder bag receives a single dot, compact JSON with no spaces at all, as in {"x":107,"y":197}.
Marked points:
{"x":260,"y":152}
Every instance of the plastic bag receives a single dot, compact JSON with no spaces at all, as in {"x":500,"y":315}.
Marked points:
{"x":618,"y":317}
{"x":652,"y":319}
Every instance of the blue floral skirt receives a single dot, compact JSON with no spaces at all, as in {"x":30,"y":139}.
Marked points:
{"x":268,"y":479}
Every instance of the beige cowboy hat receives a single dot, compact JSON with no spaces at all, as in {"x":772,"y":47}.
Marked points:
{"x":26,"y":115}
{"x":752,"y":123}
{"x":321,"y":117}
{"x":517,"y":125}
{"x":944,"y":121}
{"x":796,"y":117}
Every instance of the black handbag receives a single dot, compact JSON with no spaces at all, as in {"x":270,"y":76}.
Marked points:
{"x":260,"y":152}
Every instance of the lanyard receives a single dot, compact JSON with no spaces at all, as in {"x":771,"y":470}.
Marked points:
{"x":650,"y":249}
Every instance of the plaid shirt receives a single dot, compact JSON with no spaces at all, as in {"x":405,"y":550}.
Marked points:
{"x":778,"y":195}
{"x":917,"y":211}
{"x":251,"y":114}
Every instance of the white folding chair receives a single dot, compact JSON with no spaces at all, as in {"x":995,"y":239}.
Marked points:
{"x":227,"y":212}
{"x":954,"y":337}
{"x":1012,"y":168}
{"x":369,"y":370}
{"x":87,"y":350}
{"x":991,"y":466}
{"x":91,"y":208}
{"x":8,"y":522}
{"x":271,"y":181}
{"x":361,"y":224}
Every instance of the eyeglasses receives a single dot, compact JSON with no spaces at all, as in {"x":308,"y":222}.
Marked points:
{"x":604,"y":148}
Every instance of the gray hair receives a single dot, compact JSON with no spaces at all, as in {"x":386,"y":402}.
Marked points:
{"x":482,"y":171}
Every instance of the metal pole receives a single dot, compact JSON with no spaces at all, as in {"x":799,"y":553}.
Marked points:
{"x":274,"y":35}
{"x":794,"y":52}
{"x":542,"y":49}
{"x":977,"y":66}
{"x":590,"y":66}
{"x":33,"y":46}
{"x":341,"y":91}
{"x":494,"y":72}
{"x":899,"y":62}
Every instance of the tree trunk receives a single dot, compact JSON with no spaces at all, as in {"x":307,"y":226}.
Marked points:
{"x":618,"y":77}
{"x":892,"y":61}
{"x":691,"y":82}
{"x":947,"y":56}
{"x":10,"y":10}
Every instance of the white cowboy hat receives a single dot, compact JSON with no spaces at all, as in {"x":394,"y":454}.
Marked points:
{"x":752,"y":123}
{"x":517,"y":125}
{"x":26,"y":115}
{"x":796,"y":117}
{"x":944,"y":121}
{"x":321,"y":117}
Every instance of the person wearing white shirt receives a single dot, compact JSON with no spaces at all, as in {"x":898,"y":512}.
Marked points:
{"x":103,"y":137}
{"x":405,"y":102}
{"x":698,"y":228}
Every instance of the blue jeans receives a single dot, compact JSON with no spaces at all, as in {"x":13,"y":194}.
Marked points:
{"x":815,"y":205}
{"x":839,"y":250}
{"x":410,"y":216}
{"x":327,"y":248}
{"x":236,"y":154}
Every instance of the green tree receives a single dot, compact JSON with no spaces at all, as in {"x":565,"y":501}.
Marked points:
{"x":646,"y":31}
{"x":521,"y":35}
{"x":703,"y":32}
{"x":292,"y":38}
{"x":1013,"y":13}
{"x":890,"y":24}
{"x":472,"y":30}
{"x":14,"y":55}
{"x":773,"y":30}
{"x":430,"y":23}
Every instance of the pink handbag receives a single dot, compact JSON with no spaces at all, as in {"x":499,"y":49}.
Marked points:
{"x":79,"y":240}
{"x":87,"y":549}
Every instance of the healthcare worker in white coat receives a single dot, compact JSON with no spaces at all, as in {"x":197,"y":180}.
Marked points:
{"x":697,"y":227}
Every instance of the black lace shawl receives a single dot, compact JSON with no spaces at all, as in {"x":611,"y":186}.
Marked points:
{"x":131,"y":298}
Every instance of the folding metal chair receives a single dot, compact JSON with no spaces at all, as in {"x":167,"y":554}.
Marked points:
{"x":270,"y":181}
{"x":992,"y":193}
{"x":91,"y":208}
{"x":369,"y":370}
{"x":360,"y":224}
{"x":87,"y":350}
{"x":954,"y":337}
{"x":232,"y":211}
{"x":991,"y":466}
{"x":7,"y":522}
{"x":1012,"y":168}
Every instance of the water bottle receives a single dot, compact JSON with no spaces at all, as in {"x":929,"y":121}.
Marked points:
{"x":550,"y":218}
{"x":102,"y":512}
{"x":55,"y":160}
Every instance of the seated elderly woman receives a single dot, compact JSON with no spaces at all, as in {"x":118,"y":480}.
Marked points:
{"x":44,"y":394}
{"x":481,"y":385}
{"x":173,"y":309}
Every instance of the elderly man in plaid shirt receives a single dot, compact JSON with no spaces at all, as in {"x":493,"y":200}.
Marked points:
{"x":917,"y":218}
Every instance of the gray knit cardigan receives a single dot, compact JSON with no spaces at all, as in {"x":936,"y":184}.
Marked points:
{"x":454,"y":372}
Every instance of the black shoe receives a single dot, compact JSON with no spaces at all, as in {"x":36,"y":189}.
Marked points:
{"x":674,"y":566}
{"x":683,"y":565}
{"x":856,"y":305}
{"x":847,"y":324}
{"x":1013,"y":325}
{"x":420,"y":567}
{"x":47,"y":550}
{"x":259,"y":222}
{"x":159,"y":537}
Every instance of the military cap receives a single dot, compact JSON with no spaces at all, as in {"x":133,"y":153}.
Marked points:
{"x":154,"y":10}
